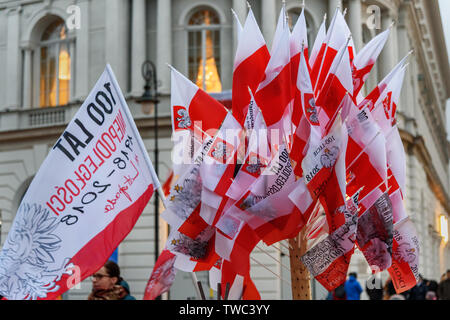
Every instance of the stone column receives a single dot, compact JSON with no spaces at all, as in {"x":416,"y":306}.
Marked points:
{"x":164,"y":44}
{"x":138,"y":46}
{"x":81,"y":72}
{"x":116,"y":39}
{"x":27,"y":78}
{"x":355,"y":23}
{"x":240,"y":7}
{"x":332,"y":5}
{"x":268,"y":20}
{"x":13,"y":58}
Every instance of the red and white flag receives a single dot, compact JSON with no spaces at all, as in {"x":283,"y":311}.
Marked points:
{"x":274,"y":94}
{"x":191,"y":106}
{"x":376,"y":93}
{"x":386,"y":106}
{"x":250,"y":63}
{"x":194,"y":113}
{"x":337,"y":85}
{"x":241,"y":286}
{"x":321,"y":157}
{"x":319,"y":43}
{"x":304,"y":85}
{"x":338,"y":35}
{"x":184,"y":201}
{"x":365,"y":60}
{"x":281,"y":25}
{"x":257,"y":158}
{"x":299,"y":40}
{"x":62,"y":235}
{"x":217,"y":169}
{"x":366,"y":153}
{"x":298,"y":47}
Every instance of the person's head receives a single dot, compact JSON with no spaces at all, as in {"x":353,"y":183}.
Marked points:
{"x":431,"y":295}
{"x":107,"y":277}
{"x":448,"y":274}
{"x":353,"y":275}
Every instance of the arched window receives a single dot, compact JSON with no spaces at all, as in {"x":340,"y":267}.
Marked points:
{"x":293,"y":15}
{"x":55,"y":66}
{"x":204,"y":49}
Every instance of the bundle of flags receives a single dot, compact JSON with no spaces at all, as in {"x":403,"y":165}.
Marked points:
{"x":301,"y":149}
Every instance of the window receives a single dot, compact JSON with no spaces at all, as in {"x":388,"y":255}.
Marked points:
{"x":204,"y":50}
{"x":55,"y":66}
{"x":293,"y":15}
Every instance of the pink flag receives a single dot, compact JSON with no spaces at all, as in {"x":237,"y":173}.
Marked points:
{"x":162,"y":277}
{"x":405,"y":256}
{"x":250,"y":62}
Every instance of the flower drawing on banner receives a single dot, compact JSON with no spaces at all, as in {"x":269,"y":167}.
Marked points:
{"x":186,"y":196}
{"x":30,"y":249}
{"x":230,"y":225}
{"x":194,"y":248}
{"x":184,"y":121}
{"x":329,"y":157}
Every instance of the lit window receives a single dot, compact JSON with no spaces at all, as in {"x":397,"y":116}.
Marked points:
{"x":55,"y":66}
{"x":443,"y":221}
{"x":204,"y":50}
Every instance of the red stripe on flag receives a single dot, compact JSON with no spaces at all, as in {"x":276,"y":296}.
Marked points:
{"x":96,"y":252}
{"x":317,"y":63}
{"x":331,"y":95}
{"x":194,"y":224}
{"x":274,"y":97}
{"x":336,"y":273}
{"x":328,"y":59}
{"x":208,"y":110}
{"x":400,"y":271}
{"x":247,"y":74}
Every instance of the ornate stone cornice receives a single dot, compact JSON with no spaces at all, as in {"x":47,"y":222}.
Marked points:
{"x":415,"y":145}
{"x":432,"y":71}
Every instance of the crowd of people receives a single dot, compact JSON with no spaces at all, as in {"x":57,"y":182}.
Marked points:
{"x":424,"y":290}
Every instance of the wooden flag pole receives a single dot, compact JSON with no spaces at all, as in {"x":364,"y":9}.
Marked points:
{"x":300,"y":278}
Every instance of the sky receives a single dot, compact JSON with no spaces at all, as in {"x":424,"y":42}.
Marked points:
{"x":445,"y":15}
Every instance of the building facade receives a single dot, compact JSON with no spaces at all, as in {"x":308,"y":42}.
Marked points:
{"x":53,"y":51}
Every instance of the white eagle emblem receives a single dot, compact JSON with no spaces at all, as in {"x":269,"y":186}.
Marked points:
{"x":184,"y":121}
{"x":329,"y":157}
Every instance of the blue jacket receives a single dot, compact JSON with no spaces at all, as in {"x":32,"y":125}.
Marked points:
{"x":353,"y":289}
